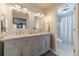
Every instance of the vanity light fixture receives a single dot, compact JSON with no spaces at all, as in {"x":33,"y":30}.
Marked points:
{"x":41,"y":15}
{"x":17,"y":6}
{"x":25,"y":9}
{"x":13,"y":7}
{"x":28,"y":12}
{"x":33,"y":13}
{"x":38,"y":14}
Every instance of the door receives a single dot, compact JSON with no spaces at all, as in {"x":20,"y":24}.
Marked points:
{"x":47,"y":42}
{"x":43,"y":40}
{"x":25,"y":50}
{"x":65,"y":37}
{"x":13,"y":52}
{"x":65,"y":32}
{"x":43,"y":44}
{"x":25,"y":47}
{"x":75,"y":29}
{"x":36,"y":46}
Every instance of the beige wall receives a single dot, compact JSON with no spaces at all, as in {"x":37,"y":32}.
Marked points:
{"x":9,"y":18}
{"x":2,"y":10}
{"x":50,"y":18}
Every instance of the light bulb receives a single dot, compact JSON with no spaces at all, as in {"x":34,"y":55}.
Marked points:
{"x":41,"y":15}
{"x":34,"y":14}
{"x":13,"y":7}
{"x":17,"y":6}
{"x":38,"y":14}
{"x":28,"y":11}
{"x":25,"y":9}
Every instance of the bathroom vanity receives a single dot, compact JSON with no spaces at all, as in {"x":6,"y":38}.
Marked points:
{"x":26,"y":45}
{"x":25,"y":38}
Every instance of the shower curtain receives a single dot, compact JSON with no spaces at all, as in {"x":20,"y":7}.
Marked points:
{"x":66,"y":29}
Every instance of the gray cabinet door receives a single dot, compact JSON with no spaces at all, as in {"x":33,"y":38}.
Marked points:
{"x":13,"y":52}
{"x":36,"y":45}
{"x":47,"y":42}
{"x":40,"y":44}
{"x":43,"y":43}
{"x":25,"y":48}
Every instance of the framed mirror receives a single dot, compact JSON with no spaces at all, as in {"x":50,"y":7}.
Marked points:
{"x":3,"y":25}
{"x":37,"y":24}
{"x":20,"y":20}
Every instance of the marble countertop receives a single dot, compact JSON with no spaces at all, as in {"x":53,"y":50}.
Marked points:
{"x":9,"y":37}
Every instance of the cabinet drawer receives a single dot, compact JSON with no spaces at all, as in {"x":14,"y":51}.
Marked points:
{"x":11,"y":44}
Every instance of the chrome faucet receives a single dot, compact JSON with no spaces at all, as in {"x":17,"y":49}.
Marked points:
{"x":18,"y":33}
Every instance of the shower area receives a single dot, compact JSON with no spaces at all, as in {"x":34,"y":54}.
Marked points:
{"x":65,"y":30}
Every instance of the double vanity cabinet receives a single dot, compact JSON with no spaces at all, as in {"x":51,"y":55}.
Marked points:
{"x":33,"y":45}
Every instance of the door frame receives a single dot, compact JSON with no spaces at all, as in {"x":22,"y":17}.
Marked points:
{"x":76,"y":30}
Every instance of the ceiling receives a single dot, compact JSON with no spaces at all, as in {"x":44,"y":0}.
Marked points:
{"x":46,"y":6}
{"x":43,"y":5}
{"x":40,"y":6}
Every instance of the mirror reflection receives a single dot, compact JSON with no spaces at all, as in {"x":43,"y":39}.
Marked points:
{"x":3,"y":23}
{"x":20,"y":20}
{"x":37,"y":24}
